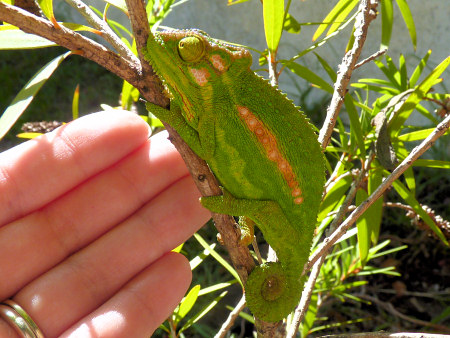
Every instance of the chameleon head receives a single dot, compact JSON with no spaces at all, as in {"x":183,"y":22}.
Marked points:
{"x":191,"y":63}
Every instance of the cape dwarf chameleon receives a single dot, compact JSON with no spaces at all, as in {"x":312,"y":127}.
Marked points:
{"x":261,"y":148}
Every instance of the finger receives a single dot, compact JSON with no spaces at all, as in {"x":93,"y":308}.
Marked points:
{"x":141,"y":305}
{"x":88,"y":278}
{"x":36,"y":172}
{"x":38,"y":241}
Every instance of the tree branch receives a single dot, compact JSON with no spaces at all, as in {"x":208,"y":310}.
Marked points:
{"x":106,"y":32}
{"x":363,"y":19}
{"x":149,"y":86}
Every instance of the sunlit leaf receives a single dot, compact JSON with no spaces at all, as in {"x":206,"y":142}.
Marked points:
{"x":432,"y":164}
{"x":27,"y":94}
{"x":418,"y":94}
{"x":309,"y":76}
{"x":387,"y":20}
{"x":75,"y":100}
{"x":273,"y":12}
{"x":187,"y":303}
{"x":17,"y":39}
{"x":409,"y":21}
{"x":418,"y":71}
{"x":331,"y":16}
{"x":291,"y":25}
{"x":203,"y":312}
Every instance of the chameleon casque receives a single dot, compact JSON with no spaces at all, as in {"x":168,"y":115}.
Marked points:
{"x":262,"y":149}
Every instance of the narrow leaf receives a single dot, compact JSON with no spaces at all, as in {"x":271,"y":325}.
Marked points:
{"x":75,"y":100}
{"x":187,"y":303}
{"x":418,"y":94}
{"x":309,"y":76}
{"x":387,"y":20}
{"x":27,"y":94}
{"x":342,"y":4}
{"x":273,"y":12}
{"x":409,"y":21}
{"x":420,"y":67}
{"x":362,"y":225}
{"x":17,"y":39}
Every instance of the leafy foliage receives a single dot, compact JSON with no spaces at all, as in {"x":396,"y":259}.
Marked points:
{"x":356,"y":145}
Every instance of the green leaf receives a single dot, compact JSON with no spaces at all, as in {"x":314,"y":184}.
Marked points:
{"x":291,"y":25}
{"x":47,"y":9}
{"x":331,"y":73}
{"x":273,"y":12}
{"x":17,"y":39}
{"x":310,"y":316}
{"x":27,"y":94}
{"x":308,"y":75}
{"x":420,"y":67}
{"x":331,"y":16}
{"x":196,"y":261}
{"x":119,"y":4}
{"x":363,"y":226}
{"x":213,"y":253}
{"x":334,"y":196}
{"x":432,"y":164}
{"x":387,"y":19}
{"x":403,"y":72}
{"x":412,"y":202}
{"x":422,"y":89}
{"x":203,"y":312}
{"x":341,"y":16}
{"x":75,"y":100}
{"x":355,"y":124}
{"x":187,"y":303}
{"x":409,"y":21}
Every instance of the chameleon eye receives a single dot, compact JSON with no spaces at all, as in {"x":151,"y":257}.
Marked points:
{"x":191,"y":48}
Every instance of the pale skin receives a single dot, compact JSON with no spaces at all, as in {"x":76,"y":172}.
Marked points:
{"x":88,"y":216}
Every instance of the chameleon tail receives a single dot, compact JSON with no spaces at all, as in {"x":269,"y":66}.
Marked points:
{"x":273,"y":291}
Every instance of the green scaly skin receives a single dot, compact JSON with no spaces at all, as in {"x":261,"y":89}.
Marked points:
{"x":261,"y":148}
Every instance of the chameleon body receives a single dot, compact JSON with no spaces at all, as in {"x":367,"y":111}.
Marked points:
{"x":261,"y":148}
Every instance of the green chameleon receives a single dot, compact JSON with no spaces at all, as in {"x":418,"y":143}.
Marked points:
{"x":261,"y":148}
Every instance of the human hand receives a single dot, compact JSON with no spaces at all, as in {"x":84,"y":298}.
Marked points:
{"x":88,"y":216}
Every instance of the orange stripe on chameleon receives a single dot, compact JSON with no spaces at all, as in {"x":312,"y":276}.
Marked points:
{"x":268,"y":141}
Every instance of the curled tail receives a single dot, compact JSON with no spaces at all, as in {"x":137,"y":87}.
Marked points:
{"x":273,"y":291}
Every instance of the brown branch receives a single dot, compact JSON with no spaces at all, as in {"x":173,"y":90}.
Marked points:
{"x":363,"y":19}
{"x":300,"y":312}
{"x":106,"y":32}
{"x":370,"y":58}
{"x":148,"y":86}
{"x":226,"y":326}
{"x":390,"y":308}
{"x":141,"y":30}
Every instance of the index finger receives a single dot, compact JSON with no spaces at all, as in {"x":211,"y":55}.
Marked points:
{"x":38,"y":171}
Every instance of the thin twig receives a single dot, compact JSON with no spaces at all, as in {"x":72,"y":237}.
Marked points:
{"x":370,"y":58}
{"x":390,"y":308}
{"x":226,"y":326}
{"x":309,"y":287}
{"x":363,"y":19}
{"x":306,"y":298}
{"x":106,"y":32}
{"x":141,"y":30}
{"x":406,"y":163}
